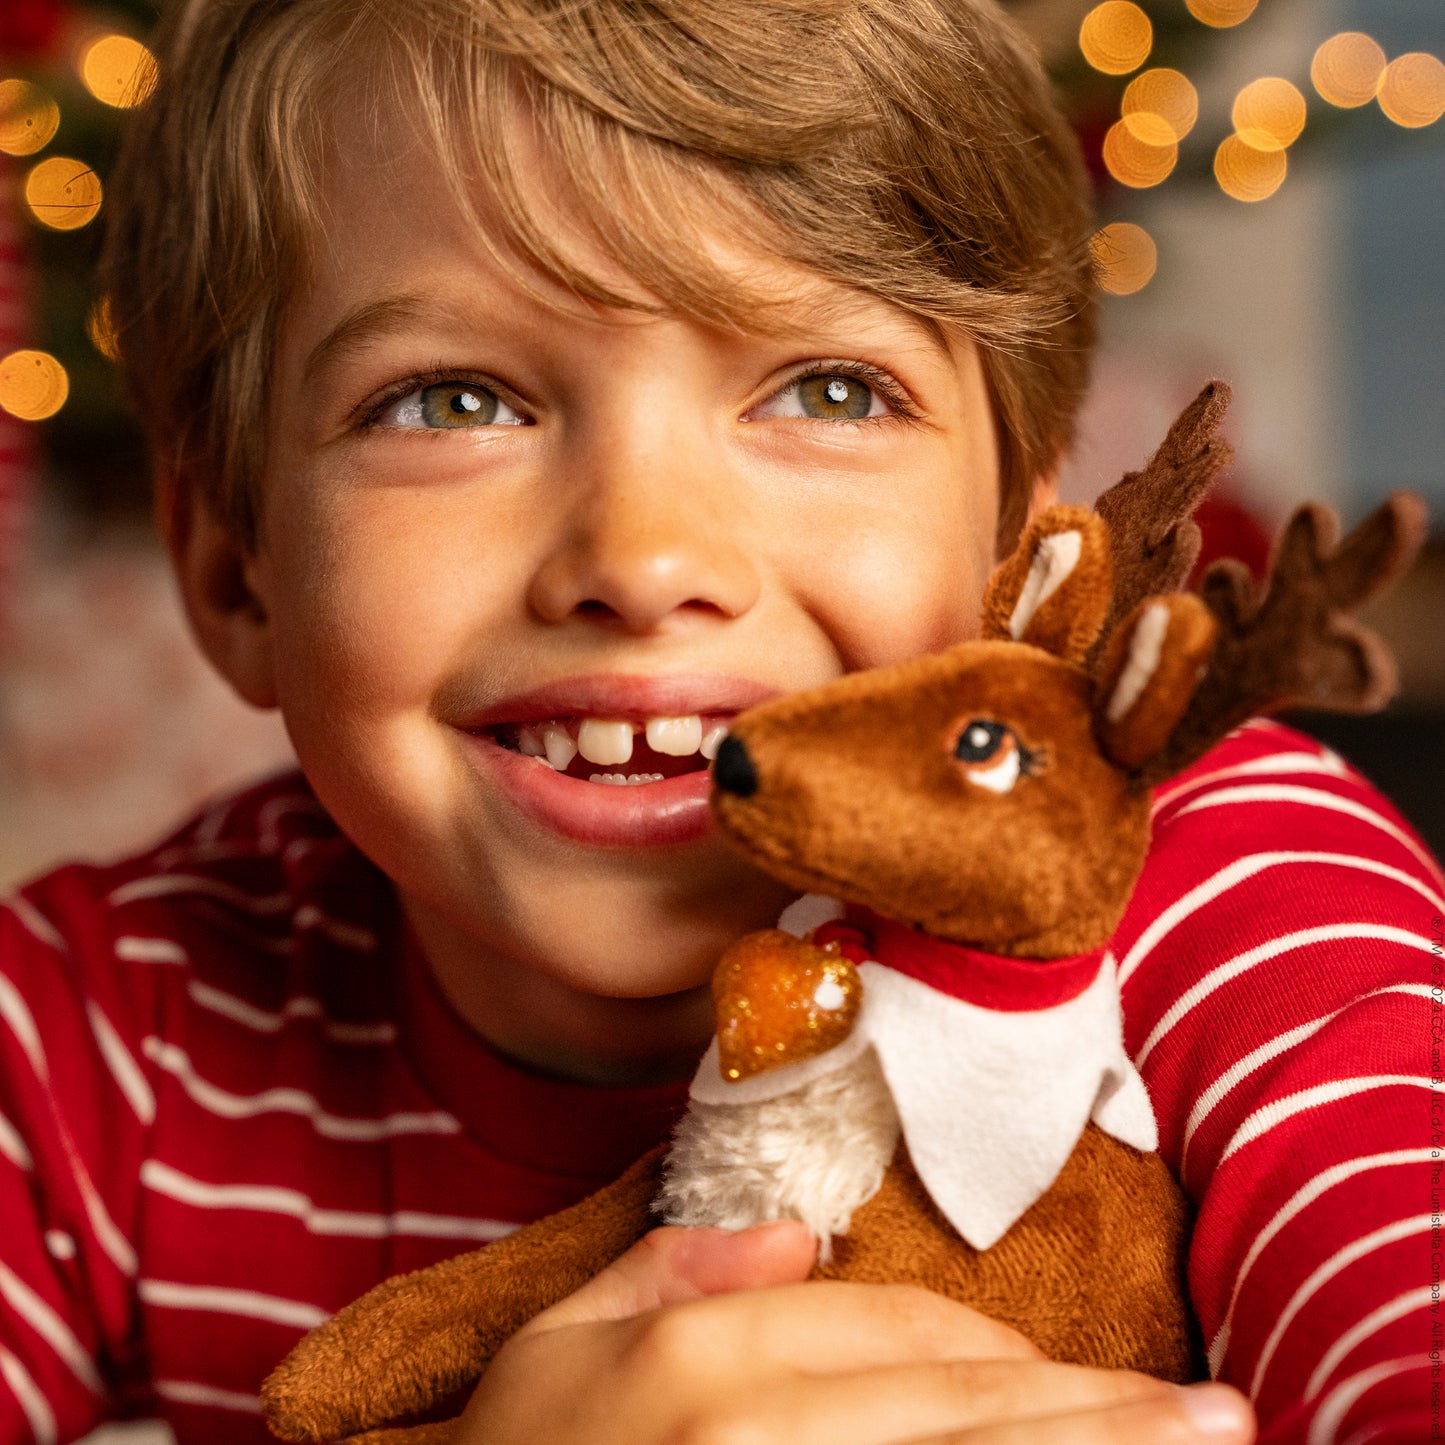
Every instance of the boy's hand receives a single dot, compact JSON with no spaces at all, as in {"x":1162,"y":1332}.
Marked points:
{"x":701,"y":1337}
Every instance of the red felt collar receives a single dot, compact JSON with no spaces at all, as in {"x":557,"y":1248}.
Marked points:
{"x":989,"y":980}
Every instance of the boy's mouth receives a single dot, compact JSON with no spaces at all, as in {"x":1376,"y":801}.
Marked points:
{"x":621,"y":752}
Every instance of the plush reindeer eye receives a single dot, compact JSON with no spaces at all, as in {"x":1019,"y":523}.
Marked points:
{"x":992,"y":755}
{"x":979,"y":741}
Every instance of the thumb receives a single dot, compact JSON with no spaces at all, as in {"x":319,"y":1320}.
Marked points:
{"x":673,"y":1265}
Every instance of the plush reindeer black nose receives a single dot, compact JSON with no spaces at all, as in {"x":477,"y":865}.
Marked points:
{"x":733,"y":769}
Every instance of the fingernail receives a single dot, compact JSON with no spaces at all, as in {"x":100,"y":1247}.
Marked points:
{"x":1214,"y":1409}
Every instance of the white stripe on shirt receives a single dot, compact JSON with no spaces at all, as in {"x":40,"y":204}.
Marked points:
{"x":1387,"y":1314}
{"x":221,"y":1300}
{"x":32,"y":1401}
{"x":276,"y":1199}
{"x":1301,"y":1199}
{"x":50,"y":1327}
{"x":1340,"y":1260}
{"x":1338,"y":1403}
{"x":284,"y":1100}
{"x":1271,"y":948}
{"x":1244,"y":868}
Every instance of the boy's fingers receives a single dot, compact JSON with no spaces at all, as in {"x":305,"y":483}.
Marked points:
{"x":1196,"y":1415}
{"x":671,"y":1265}
{"x":924,"y":1402}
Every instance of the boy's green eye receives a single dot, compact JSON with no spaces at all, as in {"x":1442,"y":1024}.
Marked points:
{"x":835,"y":397}
{"x":452,"y":405}
{"x":449,"y":406}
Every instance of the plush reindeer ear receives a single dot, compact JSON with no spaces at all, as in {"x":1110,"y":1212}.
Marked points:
{"x":1153,"y":663}
{"x":1054,"y":591}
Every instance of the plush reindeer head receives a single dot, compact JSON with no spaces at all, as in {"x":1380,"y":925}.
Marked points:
{"x":997,"y":794}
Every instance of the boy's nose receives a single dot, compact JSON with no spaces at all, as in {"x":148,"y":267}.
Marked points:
{"x":642,"y":547}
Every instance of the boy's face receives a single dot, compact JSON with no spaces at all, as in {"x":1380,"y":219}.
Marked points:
{"x":482,"y":513}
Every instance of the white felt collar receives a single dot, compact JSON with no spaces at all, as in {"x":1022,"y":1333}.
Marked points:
{"x":991,"y":1103}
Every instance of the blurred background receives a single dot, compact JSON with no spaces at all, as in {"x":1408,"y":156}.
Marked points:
{"x":1271,"y":195}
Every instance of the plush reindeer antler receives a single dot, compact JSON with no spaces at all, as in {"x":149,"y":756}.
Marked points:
{"x":1152,"y":535}
{"x":1294,"y":643}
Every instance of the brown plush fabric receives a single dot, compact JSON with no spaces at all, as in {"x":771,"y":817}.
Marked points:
{"x":413,"y":1340}
{"x":859,"y":795}
{"x":1294,"y":643}
{"x":1142,"y":731}
{"x":1153,"y":539}
{"x":1067,"y":623}
{"x":1093,"y":1274}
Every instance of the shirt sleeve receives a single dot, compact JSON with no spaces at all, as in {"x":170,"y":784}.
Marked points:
{"x":1282,"y":976}
{"x":74,"y":1110}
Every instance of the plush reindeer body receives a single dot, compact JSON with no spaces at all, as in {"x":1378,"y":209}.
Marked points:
{"x":991,"y":805}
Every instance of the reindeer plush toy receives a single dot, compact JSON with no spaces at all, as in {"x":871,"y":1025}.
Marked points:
{"x":924,"y":1062}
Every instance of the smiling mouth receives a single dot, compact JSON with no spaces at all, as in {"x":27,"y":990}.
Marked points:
{"x":618,"y":752}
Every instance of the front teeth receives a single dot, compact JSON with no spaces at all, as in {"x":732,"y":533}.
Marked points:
{"x":625,"y":780}
{"x":675,"y":736}
{"x":558,"y":744}
{"x":608,"y":742}
{"x":604,"y":742}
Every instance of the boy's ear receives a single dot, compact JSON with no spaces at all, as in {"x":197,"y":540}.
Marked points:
{"x":215,"y":573}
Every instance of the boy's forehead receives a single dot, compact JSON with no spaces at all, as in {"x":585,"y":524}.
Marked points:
{"x":402,"y":250}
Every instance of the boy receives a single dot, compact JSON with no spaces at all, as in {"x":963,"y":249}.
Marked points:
{"x":551,"y":382}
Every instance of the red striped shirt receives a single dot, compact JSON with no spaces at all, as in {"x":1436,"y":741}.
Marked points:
{"x":231,"y":1100}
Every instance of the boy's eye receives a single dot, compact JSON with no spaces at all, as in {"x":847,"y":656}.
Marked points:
{"x":449,"y":404}
{"x":826,"y":396}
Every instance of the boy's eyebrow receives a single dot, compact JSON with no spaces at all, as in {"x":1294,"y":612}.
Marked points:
{"x":363,"y":322}
{"x":394,"y":313}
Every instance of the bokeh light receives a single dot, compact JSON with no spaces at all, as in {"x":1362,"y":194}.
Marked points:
{"x":33,"y":385}
{"x":1346,"y":69}
{"x":1160,"y":107}
{"x":1116,"y":37}
{"x":100,"y":328}
{"x":1133,"y":162}
{"x":62,"y":193}
{"x":28,"y":117}
{"x":1246,"y":173}
{"x":1222,"y":13}
{"x":1125,"y":258}
{"x":1412,"y":90}
{"x":1269,"y":114}
{"x":117,"y":70}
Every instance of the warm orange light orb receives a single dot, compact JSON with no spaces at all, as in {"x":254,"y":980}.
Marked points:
{"x":1269,"y":114}
{"x":1160,"y":107}
{"x":28,"y":117}
{"x":1248,"y":174}
{"x":1133,"y":162}
{"x":1116,"y":37}
{"x":117,"y":70}
{"x":33,"y":385}
{"x":62,"y":193}
{"x":1347,"y":68}
{"x":1412,"y":90}
{"x":1222,"y":13}
{"x":1125,"y":258}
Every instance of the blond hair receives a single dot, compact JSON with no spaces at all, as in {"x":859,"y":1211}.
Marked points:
{"x":908,"y":148}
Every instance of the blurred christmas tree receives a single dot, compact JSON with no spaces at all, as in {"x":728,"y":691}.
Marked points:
{"x":1130,"y":74}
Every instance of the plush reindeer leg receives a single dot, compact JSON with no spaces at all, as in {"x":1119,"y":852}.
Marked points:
{"x":412,"y":1341}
